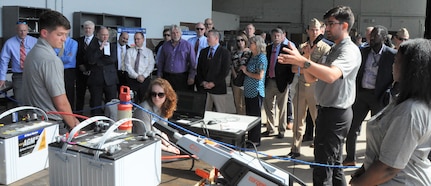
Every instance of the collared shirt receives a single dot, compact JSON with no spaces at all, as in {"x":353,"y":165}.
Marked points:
{"x":10,"y":53}
{"x":271,"y":70}
{"x":203,"y":43}
{"x":371,"y":69}
{"x":120,"y":62}
{"x":146,"y":62}
{"x":286,"y":42}
{"x":68,"y":56}
{"x":254,"y":87}
{"x":88,"y":39}
{"x":341,"y":93}
{"x":213,"y":50}
{"x":43,"y":77}
{"x":177,"y":59}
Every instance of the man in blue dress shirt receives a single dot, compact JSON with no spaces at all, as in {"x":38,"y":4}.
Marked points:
{"x":67,"y":54}
{"x":199,"y":42}
{"x":11,"y":52}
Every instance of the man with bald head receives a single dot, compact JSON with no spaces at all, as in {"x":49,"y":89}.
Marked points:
{"x":102,"y":59}
{"x":15,"y":51}
{"x":209,"y":25}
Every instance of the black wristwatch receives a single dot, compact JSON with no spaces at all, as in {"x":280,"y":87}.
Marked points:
{"x":307,"y":64}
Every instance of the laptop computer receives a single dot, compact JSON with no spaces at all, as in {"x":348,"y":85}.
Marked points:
{"x":190,"y":108}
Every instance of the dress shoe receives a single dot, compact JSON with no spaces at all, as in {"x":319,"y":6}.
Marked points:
{"x":312,"y":145}
{"x":289,"y":126}
{"x":267,"y":133}
{"x":293,"y":155}
{"x":349,"y":163}
{"x":280,"y":135}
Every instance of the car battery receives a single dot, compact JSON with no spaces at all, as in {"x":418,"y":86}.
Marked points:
{"x":109,"y":158}
{"x":24,"y":148}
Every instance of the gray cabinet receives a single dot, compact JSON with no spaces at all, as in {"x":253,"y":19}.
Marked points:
{"x":102,"y":19}
{"x":13,"y":14}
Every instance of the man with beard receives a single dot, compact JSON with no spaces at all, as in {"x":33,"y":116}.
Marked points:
{"x":335,"y":92}
{"x":177,"y":62}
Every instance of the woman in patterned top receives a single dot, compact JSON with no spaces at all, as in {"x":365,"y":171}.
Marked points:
{"x":254,"y":84}
{"x":240,"y":57}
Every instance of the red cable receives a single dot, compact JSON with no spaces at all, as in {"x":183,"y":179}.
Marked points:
{"x":68,"y":114}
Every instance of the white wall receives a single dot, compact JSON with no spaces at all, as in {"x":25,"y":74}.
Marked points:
{"x":154,"y":13}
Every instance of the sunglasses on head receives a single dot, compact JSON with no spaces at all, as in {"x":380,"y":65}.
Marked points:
{"x":21,"y":22}
{"x":199,"y":28}
{"x":158,"y":94}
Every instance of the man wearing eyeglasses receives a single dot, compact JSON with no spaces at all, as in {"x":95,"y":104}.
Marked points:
{"x":373,"y":79}
{"x":15,"y":51}
{"x":335,"y":74}
{"x":199,"y":42}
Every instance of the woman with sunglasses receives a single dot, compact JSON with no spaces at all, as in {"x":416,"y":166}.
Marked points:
{"x":160,"y":99}
{"x":239,"y":57}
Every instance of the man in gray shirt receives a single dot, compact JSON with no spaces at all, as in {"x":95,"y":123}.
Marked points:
{"x":335,"y":89}
{"x":44,"y":72}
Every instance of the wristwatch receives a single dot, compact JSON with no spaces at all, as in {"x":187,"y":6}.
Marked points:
{"x":307,"y":64}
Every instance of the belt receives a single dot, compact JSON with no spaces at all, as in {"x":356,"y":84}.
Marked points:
{"x":17,"y":73}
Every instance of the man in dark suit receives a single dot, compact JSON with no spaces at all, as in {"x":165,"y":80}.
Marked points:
{"x":278,"y":77}
{"x":373,"y":79}
{"x":102,"y":82}
{"x":122,"y":46}
{"x":213,"y":67}
{"x":83,"y":69}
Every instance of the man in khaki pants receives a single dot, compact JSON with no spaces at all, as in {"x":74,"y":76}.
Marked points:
{"x":312,"y":49}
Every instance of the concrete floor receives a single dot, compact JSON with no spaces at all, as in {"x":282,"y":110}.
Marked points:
{"x":178,"y":174}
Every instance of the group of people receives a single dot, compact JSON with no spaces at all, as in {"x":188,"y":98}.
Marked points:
{"x":337,"y":82}
{"x":398,"y":137}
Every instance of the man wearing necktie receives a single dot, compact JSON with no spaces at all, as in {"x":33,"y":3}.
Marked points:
{"x":15,"y":51}
{"x":122,"y":46}
{"x":82,"y":66}
{"x":199,"y":42}
{"x":102,"y":82}
{"x":278,"y":78}
{"x":213,"y":67}
{"x":139,"y":65}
